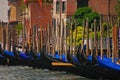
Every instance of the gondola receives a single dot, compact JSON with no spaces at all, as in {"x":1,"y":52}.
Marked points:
{"x":12,"y":58}
{"x":16,"y":58}
{"x":29,"y":58}
{"x":110,"y":67}
{"x":103,"y":71}
{"x":107,"y":63}
{"x":104,"y":65}
{"x":57,"y":56}
{"x":53,"y":63}
{"x":92,"y":63}
{"x":81,"y":68}
{"x":3,"y":60}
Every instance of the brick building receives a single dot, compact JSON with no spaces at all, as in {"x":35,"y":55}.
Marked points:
{"x":102,"y":6}
{"x":61,"y":18}
{"x":36,"y":19}
{"x":40,"y":16}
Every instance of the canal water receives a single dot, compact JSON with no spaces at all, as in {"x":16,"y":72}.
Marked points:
{"x":27,"y":73}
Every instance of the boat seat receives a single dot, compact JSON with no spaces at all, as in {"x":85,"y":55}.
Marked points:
{"x":118,"y":62}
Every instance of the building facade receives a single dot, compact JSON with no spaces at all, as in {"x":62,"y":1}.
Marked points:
{"x":62,"y":14}
{"x":100,"y":6}
{"x":8,"y":16}
{"x":36,"y":20}
{"x":15,"y":11}
{"x":104,"y":7}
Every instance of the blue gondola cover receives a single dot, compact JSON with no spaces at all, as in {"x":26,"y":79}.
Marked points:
{"x":23,"y":55}
{"x":107,"y":63}
{"x":9,"y":53}
{"x":1,"y":56}
{"x":38,"y":55}
{"x":64,"y":58}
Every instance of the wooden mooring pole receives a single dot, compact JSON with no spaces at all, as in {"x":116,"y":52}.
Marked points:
{"x":87,"y":34}
{"x":75,"y":37}
{"x":3,"y":36}
{"x":101,"y":39}
{"x":71,"y":47}
{"x":83,"y":35}
{"x":95,"y":34}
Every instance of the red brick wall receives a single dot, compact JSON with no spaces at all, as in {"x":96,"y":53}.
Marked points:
{"x":34,"y":14}
{"x":40,"y":15}
{"x":71,"y":7}
{"x":101,"y":6}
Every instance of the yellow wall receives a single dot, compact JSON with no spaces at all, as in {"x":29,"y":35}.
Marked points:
{"x":13,"y":12}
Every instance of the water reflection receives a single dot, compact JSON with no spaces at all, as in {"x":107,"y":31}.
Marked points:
{"x":27,"y":73}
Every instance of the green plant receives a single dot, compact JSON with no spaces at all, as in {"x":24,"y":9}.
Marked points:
{"x":83,"y":13}
{"x":78,"y":37}
{"x":19,"y":28}
{"x":104,"y":29}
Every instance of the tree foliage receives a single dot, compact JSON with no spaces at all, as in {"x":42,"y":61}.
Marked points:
{"x":117,"y":7}
{"x":78,"y":36}
{"x":83,"y":13}
{"x":23,"y":6}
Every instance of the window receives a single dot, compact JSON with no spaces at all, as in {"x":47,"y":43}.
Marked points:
{"x":57,"y":7}
{"x":63,"y":7}
{"x":54,"y":23}
{"x":82,"y":3}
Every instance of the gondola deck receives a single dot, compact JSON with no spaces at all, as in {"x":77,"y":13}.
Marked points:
{"x":61,"y":64}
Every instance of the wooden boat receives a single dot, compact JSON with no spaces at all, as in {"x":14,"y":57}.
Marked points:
{"x":3,"y":60}
{"x":81,"y":68}
{"x":106,"y":67}
{"x":89,"y":67}
{"x":12,"y":58}
{"x":98,"y":66}
{"x":107,"y":63}
{"x":29,"y":58}
{"x":53,"y":63}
